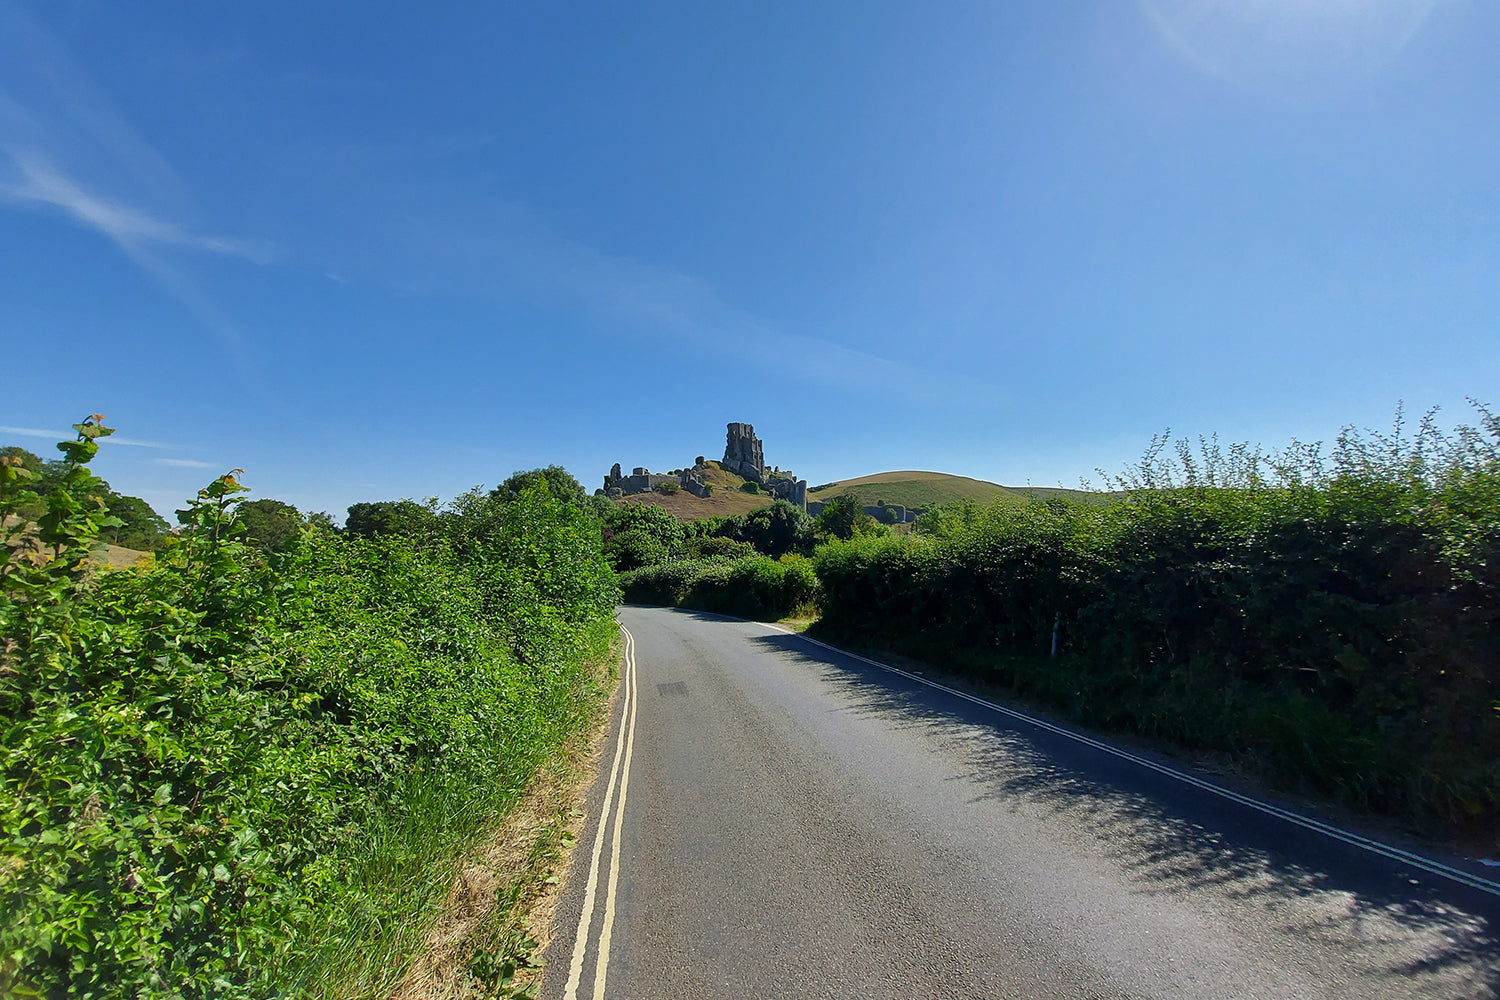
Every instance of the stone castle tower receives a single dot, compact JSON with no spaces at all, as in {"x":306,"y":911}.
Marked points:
{"x":743,"y":453}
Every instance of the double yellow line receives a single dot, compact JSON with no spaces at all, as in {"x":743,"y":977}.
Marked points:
{"x":619,"y":775}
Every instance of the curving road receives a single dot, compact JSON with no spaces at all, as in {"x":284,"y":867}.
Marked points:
{"x":777,"y":819}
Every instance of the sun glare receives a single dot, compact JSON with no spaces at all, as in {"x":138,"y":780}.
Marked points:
{"x":1295,"y":49}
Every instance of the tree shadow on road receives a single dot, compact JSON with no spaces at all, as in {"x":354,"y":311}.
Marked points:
{"x":1170,"y":838}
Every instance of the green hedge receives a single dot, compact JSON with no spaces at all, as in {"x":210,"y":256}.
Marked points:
{"x":230,"y":775}
{"x":756,"y":587}
{"x":1340,"y":635}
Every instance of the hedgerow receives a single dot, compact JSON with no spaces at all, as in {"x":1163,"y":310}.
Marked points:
{"x":1331,"y":620}
{"x":234,"y":774}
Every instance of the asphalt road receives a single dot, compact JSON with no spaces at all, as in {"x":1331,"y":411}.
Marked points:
{"x":786,"y":821}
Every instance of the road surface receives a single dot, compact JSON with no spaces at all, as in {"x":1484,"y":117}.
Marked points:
{"x":776,"y":819}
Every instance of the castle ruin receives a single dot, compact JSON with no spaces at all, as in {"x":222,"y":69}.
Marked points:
{"x":744,"y":456}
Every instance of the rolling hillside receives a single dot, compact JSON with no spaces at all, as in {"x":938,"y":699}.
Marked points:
{"x":908,"y":488}
{"x":914,"y":489}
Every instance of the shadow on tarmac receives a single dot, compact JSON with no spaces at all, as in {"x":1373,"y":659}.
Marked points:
{"x":1170,"y":837}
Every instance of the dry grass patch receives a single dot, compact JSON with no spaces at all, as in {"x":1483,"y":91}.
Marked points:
{"x":727,"y":499}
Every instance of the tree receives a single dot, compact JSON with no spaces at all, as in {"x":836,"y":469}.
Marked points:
{"x":270,"y":524}
{"x":558,"y":481}
{"x":844,"y":517}
{"x":629,"y":523}
{"x":140,"y":526}
{"x":634,"y":549}
{"x":598,"y":507}
{"x":391,"y":517}
{"x":774,"y":530}
{"x":22,"y":459}
{"x":779,"y":529}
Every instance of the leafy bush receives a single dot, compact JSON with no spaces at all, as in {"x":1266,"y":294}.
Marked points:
{"x":775,"y":531}
{"x":750,"y":486}
{"x":232,"y":777}
{"x":638,"y":535}
{"x":755,"y":587}
{"x":843,"y":517}
{"x":667,"y":489}
{"x":138,"y":527}
{"x":716,"y":547}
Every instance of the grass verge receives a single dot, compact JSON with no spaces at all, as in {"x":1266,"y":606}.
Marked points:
{"x":486,"y":937}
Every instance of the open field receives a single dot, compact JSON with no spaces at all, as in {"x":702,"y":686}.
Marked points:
{"x":119,"y":557}
{"x":113,"y":556}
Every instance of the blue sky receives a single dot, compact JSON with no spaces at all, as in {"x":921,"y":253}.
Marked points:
{"x":375,"y":250}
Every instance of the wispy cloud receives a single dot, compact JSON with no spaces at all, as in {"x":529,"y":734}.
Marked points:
{"x":37,"y":432}
{"x":64,"y":148}
{"x":186,"y":463}
{"x":38,"y":181}
{"x":668,"y":303}
{"x":113,"y":439}
{"x":502,"y":251}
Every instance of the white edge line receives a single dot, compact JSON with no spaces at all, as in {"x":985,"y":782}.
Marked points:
{"x":586,"y":917}
{"x":606,"y":927}
{"x":1387,"y":851}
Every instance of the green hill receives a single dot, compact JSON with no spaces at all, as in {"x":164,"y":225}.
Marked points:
{"x":926,"y":489}
{"x":913,"y":489}
{"x":908,"y":488}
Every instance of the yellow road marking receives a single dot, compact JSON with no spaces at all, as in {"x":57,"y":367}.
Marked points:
{"x":623,"y":746}
{"x":605,"y":931}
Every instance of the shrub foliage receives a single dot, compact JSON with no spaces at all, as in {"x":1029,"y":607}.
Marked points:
{"x":233,"y":773}
{"x":755,"y":587}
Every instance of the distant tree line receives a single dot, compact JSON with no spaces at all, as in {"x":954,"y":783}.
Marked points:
{"x":140,"y":527}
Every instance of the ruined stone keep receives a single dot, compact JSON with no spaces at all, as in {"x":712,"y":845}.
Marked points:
{"x":744,"y":456}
